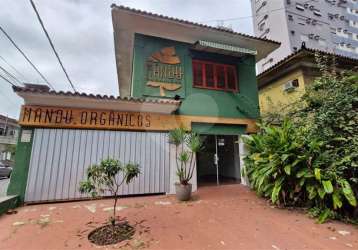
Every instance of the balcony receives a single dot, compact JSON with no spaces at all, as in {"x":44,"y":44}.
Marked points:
{"x":352,"y":29}
{"x":11,"y":140}
{"x":346,"y":53}
{"x":346,"y":40}
{"x":352,"y":17}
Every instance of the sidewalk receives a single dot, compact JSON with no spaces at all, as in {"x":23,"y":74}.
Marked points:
{"x":225,"y":217}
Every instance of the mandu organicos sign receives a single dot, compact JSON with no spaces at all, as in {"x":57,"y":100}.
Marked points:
{"x":75,"y":118}
{"x":56,"y":117}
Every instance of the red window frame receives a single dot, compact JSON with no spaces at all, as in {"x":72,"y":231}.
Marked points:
{"x":203,"y":83}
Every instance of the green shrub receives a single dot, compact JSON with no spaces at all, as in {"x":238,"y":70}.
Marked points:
{"x":290,"y":169}
{"x":311,"y":158}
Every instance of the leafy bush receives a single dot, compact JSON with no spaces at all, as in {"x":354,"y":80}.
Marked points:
{"x":311,"y":159}
{"x":103,"y":178}
{"x":288,"y":169}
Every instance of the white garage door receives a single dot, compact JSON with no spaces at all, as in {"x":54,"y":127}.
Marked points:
{"x":60,"y":157}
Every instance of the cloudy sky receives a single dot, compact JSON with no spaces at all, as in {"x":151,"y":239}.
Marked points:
{"x":82,"y":34}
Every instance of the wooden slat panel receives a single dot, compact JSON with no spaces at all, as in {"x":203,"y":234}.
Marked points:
{"x":59,"y":117}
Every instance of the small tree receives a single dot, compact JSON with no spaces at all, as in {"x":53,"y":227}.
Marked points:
{"x":186,"y":146}
{"x":102,"y":178}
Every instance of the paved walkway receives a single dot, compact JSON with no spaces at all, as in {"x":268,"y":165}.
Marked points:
{"x":226,"y":217}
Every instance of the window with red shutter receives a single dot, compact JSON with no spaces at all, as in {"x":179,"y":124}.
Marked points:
{"x":198,"y":74}
{"x":214,"y":76}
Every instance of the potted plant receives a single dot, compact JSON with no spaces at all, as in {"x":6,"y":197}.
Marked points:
{"x":187,"y":144}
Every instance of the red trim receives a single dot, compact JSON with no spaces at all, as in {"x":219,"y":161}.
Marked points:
{"x":203,"y":84}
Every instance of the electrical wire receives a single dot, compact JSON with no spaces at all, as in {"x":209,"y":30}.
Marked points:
{"x":245,"y":17}
{"x":27,"y":59}
{"x":18,"y":72}
{"x":5,"y":79}
{"x":242,"y":17}
{"x":51,"y":43}
{"x":10,"y":75}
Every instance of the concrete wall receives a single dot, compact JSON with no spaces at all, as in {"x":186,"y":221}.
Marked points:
{"x":270,"y":22}
{"x":4,"y":183}
{"x":274,"y":98}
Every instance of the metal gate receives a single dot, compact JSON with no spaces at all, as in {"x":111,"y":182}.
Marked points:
{"x":60,"y":157}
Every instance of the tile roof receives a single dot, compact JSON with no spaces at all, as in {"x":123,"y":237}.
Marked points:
{"x":141,"y":12}
{"x":302,"y":50}
{"x":18,"y":89}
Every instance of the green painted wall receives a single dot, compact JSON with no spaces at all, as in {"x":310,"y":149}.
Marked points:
{"x":196,"y":101}
{"x":19,"y":175}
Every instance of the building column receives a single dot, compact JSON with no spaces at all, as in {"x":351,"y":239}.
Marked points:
{"x":243,"y":151}
{"x":18,"y":180}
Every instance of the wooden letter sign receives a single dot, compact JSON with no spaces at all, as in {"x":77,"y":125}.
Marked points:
{"x":164,"y":70}
{"x":59,"y":117}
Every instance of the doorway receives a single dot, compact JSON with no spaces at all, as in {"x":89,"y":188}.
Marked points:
{"x":218,"y":163}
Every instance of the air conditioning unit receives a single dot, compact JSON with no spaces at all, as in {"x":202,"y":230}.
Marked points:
{"x":290,"y":86}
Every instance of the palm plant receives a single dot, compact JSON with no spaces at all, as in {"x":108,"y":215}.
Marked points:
{"x":187,"y":144}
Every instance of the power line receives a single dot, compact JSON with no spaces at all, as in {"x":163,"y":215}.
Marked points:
{"x":245,"y":17}
{"x":9,"y":74}
{"x":2,"y":58}
{"x":242,"y":17}
{"x":5,"y":79}
{"x":52,"y":46}
{"x":27,"y":59}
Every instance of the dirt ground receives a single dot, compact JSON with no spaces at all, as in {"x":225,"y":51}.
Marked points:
{"x":225,"y":217}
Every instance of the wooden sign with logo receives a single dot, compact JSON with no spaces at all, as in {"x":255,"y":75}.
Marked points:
{"x":61,"y":117}
{"x":164,"y":71}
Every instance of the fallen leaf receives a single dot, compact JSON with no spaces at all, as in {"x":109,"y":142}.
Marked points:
{"x":344,"y":233}
{"x":18,"y":223}
{"x":45,"y":220}
{"x":163,"y":203}
{"x":107,"y":209}
{"x":275,"y":247}
{"x":91,"y":208}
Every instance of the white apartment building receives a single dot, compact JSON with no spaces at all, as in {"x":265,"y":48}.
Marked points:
{"x":327,"y":25}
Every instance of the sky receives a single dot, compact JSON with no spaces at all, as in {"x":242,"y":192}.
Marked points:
{"x":82,"y":33}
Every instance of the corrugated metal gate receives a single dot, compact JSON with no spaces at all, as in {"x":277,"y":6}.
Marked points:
{"x":60,"y":157}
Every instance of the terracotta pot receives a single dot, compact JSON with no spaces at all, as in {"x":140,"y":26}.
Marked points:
{"x":183,"y":192}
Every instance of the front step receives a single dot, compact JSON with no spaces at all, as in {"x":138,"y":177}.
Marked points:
{"x":7,"y":202}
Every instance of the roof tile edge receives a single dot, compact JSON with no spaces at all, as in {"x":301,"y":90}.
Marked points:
{"x":182,"y":21}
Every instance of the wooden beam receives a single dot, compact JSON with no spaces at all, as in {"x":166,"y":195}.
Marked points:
{"x":59,"y":117}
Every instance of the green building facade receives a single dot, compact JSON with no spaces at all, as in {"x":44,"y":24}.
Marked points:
{"x":196,"y":101}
